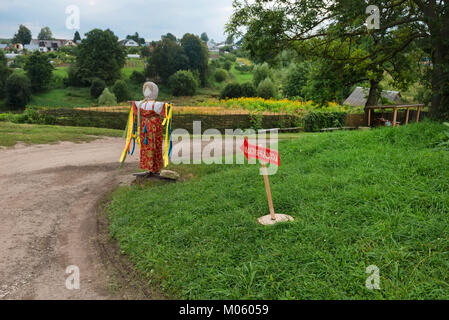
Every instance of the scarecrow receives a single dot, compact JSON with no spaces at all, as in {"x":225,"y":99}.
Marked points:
{"x":145,"y":128}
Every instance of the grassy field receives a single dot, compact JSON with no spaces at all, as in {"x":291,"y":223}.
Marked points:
{"x":11,"y":133}
{"x":363,"y":198}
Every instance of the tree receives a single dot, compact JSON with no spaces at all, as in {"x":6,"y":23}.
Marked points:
{"x":183,"y":83}
{"x":22,"y":36}
{"x":198,"y":55}
{"x":76,"y":37}
{"x":167,"y":58}
{"x":204,"y":37}
{"x":97,"y":88}
{"x":18,"y":92}
{"x":230,"y":40}
{"x":39,"y":70}
{"x":100,"y":56}
{"x":169,"y":36}
{"x":136,"y":38}
{"x":120,"y":90}
{"x":260,"y":73}
{"x":45,"y":34}
{"x":336,"y":31}
{"x":4,"y":74}
{"x":107,"y":98}
{"x":267,"y":89}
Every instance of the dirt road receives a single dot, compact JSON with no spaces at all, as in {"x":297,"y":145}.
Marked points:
{"x":49,"y":196}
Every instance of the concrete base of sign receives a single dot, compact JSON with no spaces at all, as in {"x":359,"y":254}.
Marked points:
{"x":267,"y":221}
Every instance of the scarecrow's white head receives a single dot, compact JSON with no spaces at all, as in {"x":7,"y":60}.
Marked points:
{"x":150,"y":91}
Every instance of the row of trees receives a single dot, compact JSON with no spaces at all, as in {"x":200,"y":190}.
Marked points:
{"x":335,"y":33}
{"x":16,"y":87}
{"x":24,"y":35}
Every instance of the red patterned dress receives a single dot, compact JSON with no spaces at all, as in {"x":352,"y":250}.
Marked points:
{"x":151,"y":139}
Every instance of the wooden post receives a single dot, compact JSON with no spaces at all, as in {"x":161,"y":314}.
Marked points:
{"x":369,"y":117}
{"x":267,"y":187}
{"x":418,"y":114}
{"x":395,"y":116}
{"x":408,"y":116}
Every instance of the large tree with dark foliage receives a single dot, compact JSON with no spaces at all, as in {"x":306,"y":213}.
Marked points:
{"x":4,"y":73}
{"x":100,"y":56}
{"x":167,"y":58}
{"x":336,"y":31}
{"x":39,"y":70}
{"x":198,"y":55}
{"x":22,"y":36}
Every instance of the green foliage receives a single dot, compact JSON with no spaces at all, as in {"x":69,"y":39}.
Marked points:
{"x":248,"y":90}
{"x":167,"y":58}
{"x":22,"y":36}
{"x":315,"y":121}
{"x":232,"y":90}
{"x":236,"y":90}
{"x":45,"y":34}
{"x":137,"y":77}
{"x":227,"y":65}
{"x":198,"y":55}
{"x":295,"y":80}
{"x":76,"y":36}
{"x":18,"y":91}
{"x":221,"y":75}
{"x":107,"y":98}
{"x":100,"y":56}
{"x":260,"y":73}
{"x":97,"y":88}
{"x":204,"y":37}
{"x":120,"y":90}
{"x":183,"y":83}
{"x":39,"y":70}
{"x":4,"y":74}
{"x":267,"y":89}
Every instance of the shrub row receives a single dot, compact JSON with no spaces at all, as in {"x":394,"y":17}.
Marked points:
{"x":315,"y":121}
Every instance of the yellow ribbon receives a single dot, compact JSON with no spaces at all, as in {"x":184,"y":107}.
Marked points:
{"x":166,"y":123}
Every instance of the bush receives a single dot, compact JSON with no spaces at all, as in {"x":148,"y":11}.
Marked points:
{"x":315,"y":121}
{"x":18,"y":91}
{"x":137,"y":77}
{"x":4,"y":74}
{"x":120,"y":90}
{"x":221,"y":75}
{"x":227,"y":65}
{"x":248,"y":90}
{"x":97,"y":88}
{"x":107,"y":98}
{"x":267,"y":89}
{"x":74,"y":79}
{"x":183,"y":83}
{"x":232,"y":90}
{"x":295,"y":80}
{"x":261,"y":72}
{"x":39,"y":70}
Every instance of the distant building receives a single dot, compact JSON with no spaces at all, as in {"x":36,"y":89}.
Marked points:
{"x":49,"y":45}
{"x":360,"y":95}
{"x":129,"y":43}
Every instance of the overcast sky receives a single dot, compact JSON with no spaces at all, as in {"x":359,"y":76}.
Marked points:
{"x":150,"y":18}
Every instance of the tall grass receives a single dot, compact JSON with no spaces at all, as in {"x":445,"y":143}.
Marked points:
{"x":377,"y":197}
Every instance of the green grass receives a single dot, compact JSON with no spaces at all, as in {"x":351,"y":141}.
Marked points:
{"x":362,"y":198}
{"x":11,"y":133}
{"x":63,"y":98}
{"x":241,"y":77}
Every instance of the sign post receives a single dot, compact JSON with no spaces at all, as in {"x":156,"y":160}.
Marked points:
{"x":265,"y":156}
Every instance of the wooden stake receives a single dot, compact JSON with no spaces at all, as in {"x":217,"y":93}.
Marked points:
{"x":267,"y":187}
